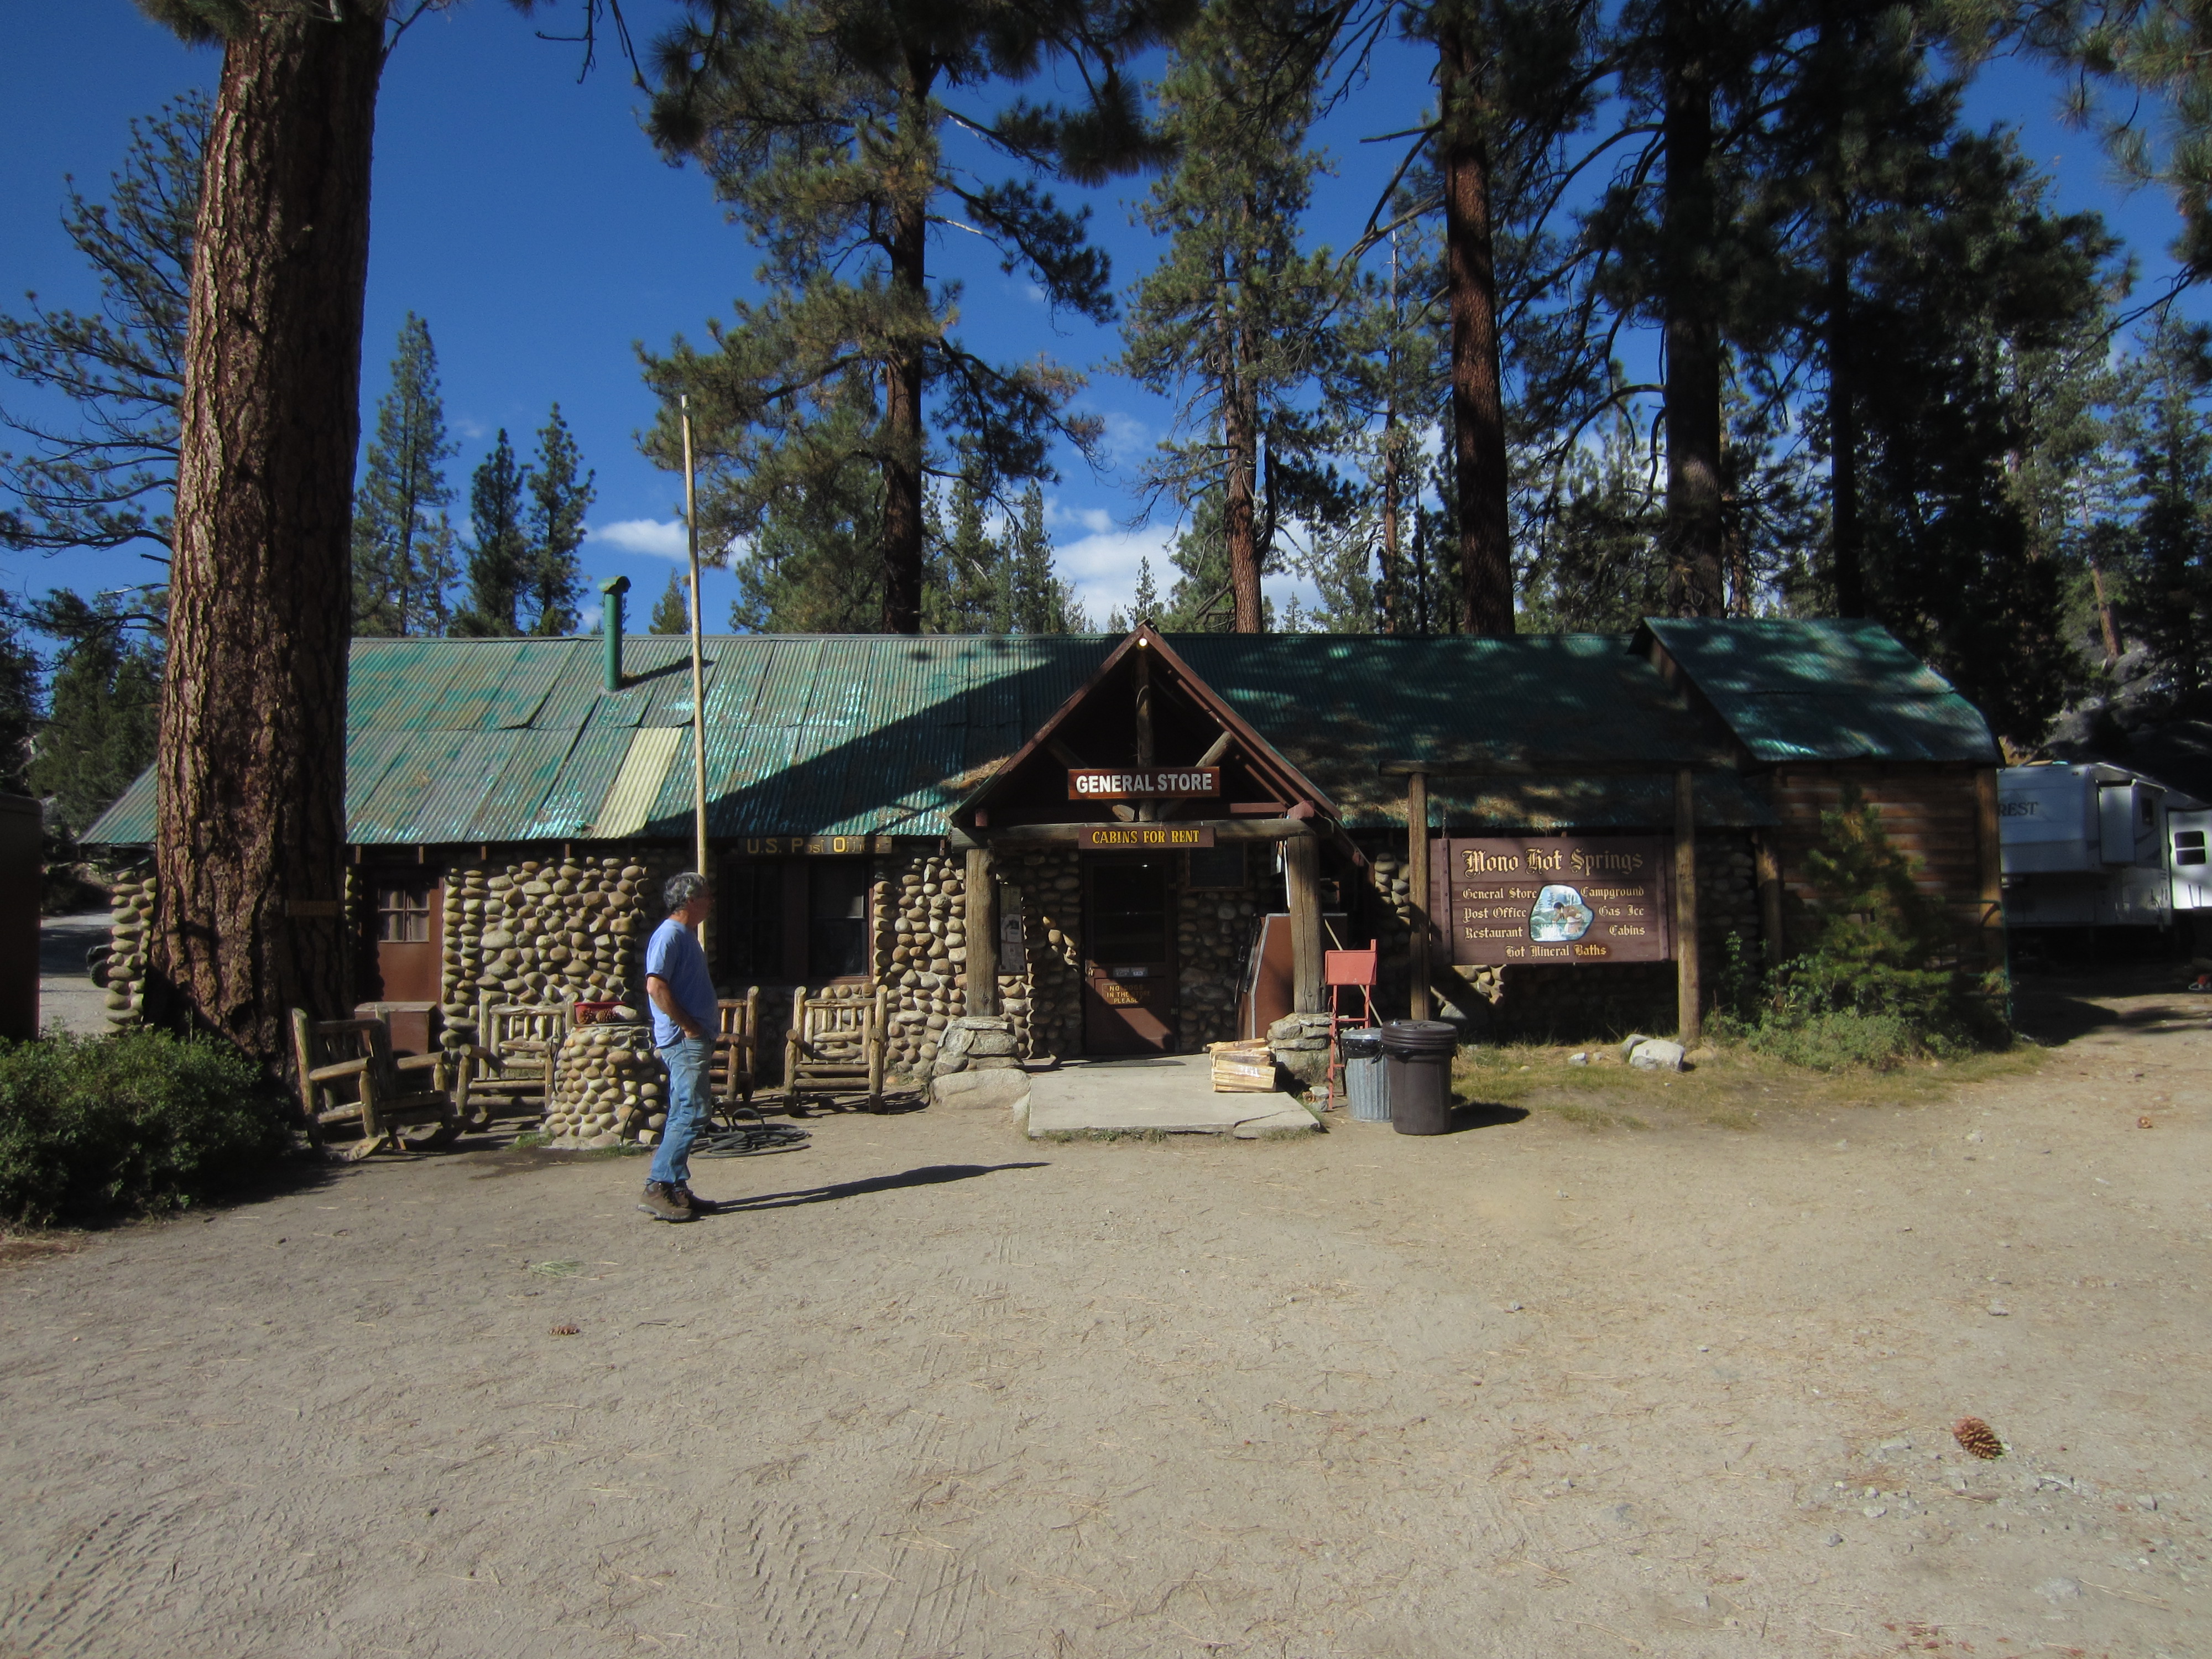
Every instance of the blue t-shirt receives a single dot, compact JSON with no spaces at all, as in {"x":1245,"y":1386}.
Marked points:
{"x":673,"y":954}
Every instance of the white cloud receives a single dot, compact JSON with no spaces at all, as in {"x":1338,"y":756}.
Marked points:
{"x":1096,"y":519}
{"x":1129,"y":441}
{"x":649,"y":535}
{"x":1102,"y":568}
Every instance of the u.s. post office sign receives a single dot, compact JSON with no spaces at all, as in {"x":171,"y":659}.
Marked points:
{"x":1554,"y":898}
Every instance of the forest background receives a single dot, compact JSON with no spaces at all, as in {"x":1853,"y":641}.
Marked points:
{"x":522,"y":214}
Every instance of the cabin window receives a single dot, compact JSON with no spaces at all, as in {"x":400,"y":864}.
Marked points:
{"x":837,"y":918}
{"x":403,"y":911}
{"x":1214,"y":868}
{"x":794,"y":921}
{"x":751,"y":943}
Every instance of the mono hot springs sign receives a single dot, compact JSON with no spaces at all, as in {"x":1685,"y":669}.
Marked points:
{"x":1557,"y":898}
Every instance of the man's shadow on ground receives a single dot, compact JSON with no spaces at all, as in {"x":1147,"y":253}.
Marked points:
{"x":930,"y":1175}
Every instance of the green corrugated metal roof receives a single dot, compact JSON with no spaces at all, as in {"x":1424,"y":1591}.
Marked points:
{"x":496,"y":740}
{"x":1836,"y":689}
{"x":1338,"y":707}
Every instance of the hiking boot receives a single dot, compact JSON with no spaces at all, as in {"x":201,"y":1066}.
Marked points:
{"x":693,"y":1202}
{"x":665,"y":1202}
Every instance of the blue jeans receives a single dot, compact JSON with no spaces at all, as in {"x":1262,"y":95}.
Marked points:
{"x":686,"y":1060}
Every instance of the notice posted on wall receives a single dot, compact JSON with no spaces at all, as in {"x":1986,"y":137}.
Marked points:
{"x":1554,"y":898}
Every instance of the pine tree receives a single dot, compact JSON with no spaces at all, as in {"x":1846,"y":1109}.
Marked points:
{"x":972,"y":590}
{"x":2165,"y":575}
{"x":104,"y":481}
{"x":19,"y":705}
{"x":402,"y":552}
{"x":250,"y":823}
{"x":1946,"y":302}
{"x":1238,"y":320}
{"x":1043,"y":603}
{"x":498,"y":550}
{"x":672,"y":612}
{"x":105,"y":704}
{"x":559,"y":499}
{"x":822,"y":125}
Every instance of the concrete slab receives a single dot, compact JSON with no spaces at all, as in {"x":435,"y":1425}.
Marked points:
{"x":1169,"y":1094}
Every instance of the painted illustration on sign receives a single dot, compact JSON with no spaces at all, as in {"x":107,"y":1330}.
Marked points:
{"x":1572,"y":899}
{"x":1560,"y":916}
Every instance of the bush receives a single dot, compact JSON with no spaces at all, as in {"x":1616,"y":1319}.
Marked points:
{"x":1878,"y":982}
{"x":134,"y":1123}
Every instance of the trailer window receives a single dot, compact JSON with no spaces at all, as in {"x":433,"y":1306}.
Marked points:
{"x":2189,"y":847}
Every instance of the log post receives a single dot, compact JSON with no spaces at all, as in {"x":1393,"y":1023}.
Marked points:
{"x":1417,"y":881}
{"x":1689,"y":1017}
{"x":1990,"y":846}
{"x":1302,"y":878}
{"x":983,"y":931}
{"x":1769,"y":858}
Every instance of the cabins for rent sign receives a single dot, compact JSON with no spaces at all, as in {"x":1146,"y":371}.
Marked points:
{"x":1557,"y":898}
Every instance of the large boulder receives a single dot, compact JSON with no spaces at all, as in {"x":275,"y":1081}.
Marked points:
{"x":997,"y":1089}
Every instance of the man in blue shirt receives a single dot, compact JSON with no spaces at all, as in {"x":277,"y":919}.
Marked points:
{"x":684,"y":1016}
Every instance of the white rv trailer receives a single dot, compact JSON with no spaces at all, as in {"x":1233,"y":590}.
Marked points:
{"x":2089,"y":845}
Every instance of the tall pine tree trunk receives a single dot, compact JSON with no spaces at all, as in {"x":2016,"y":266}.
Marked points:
{"x":903,"y":375}
{"x":1846,"y":543}
{"x":1387,"y":554}
{"x":903,"y":436}
{"x":250,"y":846}
{"x":1240,"y":435}
{"x":1478,"y":402}
{"x":1693,"y":323}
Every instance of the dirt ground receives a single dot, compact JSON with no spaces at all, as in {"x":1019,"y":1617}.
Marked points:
{"x":1553,"y":1385}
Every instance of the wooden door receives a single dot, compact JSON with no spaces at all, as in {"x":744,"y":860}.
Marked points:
{"x":405,"y":929}
{"x":1128,"y":966}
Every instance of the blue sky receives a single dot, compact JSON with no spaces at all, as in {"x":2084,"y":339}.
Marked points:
{"x":525,"y":217}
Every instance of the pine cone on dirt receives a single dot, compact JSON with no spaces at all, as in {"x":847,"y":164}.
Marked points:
{"x":1977,"y":1437}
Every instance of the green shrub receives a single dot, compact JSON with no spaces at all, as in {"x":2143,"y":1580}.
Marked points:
{"x":1878,"y":981}
{"x":134,"y":1123}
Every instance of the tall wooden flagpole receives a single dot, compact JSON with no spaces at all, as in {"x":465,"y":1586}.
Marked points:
{"x":698,"y":665}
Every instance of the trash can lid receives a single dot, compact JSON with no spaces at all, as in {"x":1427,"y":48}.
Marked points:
{"x":1420,"y":1036}
{"x":1362,"y":1042}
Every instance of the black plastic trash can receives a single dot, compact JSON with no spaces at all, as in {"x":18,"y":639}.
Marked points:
{"x":1417,"y":1056}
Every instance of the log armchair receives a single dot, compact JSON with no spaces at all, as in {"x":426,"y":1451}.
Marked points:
{"x":348,"y":1074}
{"x":835,"y":1047}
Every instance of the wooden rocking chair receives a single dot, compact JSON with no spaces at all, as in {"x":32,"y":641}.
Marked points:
{"x":735,"y":1067}
{"x":518,"y":1053}
{"x":833,"y":1048}
{"x":347,"y":1072}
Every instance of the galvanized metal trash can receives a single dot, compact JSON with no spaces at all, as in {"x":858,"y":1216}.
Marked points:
{"x":1365,"y":1085}
{"x":1418,"y":1057}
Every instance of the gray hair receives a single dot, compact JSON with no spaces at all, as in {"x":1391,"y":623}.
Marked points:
{"x":679,"y":890}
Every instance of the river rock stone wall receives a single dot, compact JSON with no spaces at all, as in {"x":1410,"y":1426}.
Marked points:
{"x":532,"y":929}
{"x":130,"y":923}
{"x":609,"y":1086}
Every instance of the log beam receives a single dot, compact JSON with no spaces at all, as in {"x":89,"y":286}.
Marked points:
{"x":1302,"y":880}
{"x":981,"y":897}
{"x":1417,"y":881}
{"x":1689,"y":1012}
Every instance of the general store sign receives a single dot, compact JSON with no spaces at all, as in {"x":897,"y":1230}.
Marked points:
{"x":1555,"y":898}
{"x":1149,"y":783}
{"x":1144,"y":837}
